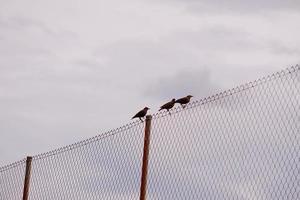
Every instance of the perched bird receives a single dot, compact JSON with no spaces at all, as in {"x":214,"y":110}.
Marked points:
{"x":168,"y":106}
{"x":141,"y":114}
{"x":183,"y":101}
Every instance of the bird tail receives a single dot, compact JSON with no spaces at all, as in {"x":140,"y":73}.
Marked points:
{"x":160,"y":109}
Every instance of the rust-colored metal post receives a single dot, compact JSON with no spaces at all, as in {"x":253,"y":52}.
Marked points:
{"x":143,"y":190}
{"x":27,"y":178}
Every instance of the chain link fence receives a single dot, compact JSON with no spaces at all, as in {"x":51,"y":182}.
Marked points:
{"x":240,"y":144}
{"x":12,"y":180}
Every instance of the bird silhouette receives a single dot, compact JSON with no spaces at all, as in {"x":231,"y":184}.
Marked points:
{"x":168,"y":105}
{"x":183,"y":101}
{"x":141,"y":114}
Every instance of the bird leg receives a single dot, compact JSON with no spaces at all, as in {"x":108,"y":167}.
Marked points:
{"x":141,"y":119}
{"x":169,"y":112}
{"x":183,"y":106}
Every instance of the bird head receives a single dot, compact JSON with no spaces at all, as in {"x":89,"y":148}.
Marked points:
{"x":189,"y":96}
{"x":146,"y":108}
{"x":173,"y":100}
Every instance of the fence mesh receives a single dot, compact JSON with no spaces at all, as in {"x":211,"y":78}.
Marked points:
{"x":240,"y":144}
{"x":98,"y":168}
{"x":12,"y":180}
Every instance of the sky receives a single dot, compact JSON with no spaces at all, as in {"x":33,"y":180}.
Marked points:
{"x":70,"y":70}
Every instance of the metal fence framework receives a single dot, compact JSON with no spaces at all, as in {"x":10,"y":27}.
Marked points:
{"x":242,"y":143}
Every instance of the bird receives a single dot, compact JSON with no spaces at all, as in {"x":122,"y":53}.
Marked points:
{"x":141,"y":114}
{"x":168,"y":105}
{"x":183,"y":101}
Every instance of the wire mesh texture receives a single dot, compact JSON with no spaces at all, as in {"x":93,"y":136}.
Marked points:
{"x":240,"y":144}
{"x":12,"y":180}
{"x":106,"y":166}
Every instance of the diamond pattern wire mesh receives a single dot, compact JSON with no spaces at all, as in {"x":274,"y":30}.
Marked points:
{"x":12,"y":180}
{"x":240,"y":144}
{"x":104,"y":167}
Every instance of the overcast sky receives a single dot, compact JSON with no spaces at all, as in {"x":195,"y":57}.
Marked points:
{"x":72,"y":69}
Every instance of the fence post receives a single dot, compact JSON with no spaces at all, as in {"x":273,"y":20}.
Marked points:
{"x":27,"y":178}
{"x":143,"y":190}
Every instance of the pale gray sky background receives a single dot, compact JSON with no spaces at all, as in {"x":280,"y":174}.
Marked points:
{"x":72,"y":69}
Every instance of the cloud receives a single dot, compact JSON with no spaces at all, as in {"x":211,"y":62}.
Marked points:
{"x":280,"y":48}
{"x":32,"y":40}
{"x":196,"y":82}
{"x":240,"y":6}
{"x":212,"y":50}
